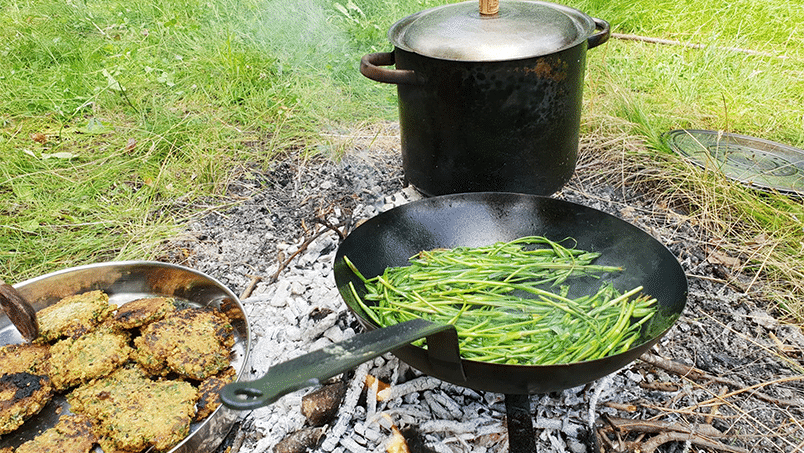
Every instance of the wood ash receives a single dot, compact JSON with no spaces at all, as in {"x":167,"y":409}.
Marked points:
{"x":727,"y":377}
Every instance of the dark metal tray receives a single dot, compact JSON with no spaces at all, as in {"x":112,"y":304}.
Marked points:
{"x":759,"y":163}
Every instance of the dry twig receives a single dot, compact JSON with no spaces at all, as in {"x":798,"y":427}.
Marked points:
{"x":302,"y":248}
{"x":653,"y":443}
{"x":672,"y":42}
{"x":713,"y":411}
{"x":699,"y":434}
{"x":699,"y":375}
{"x":253,"y":284}
{"x":657,"y":427}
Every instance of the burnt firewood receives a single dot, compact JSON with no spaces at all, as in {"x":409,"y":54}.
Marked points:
{"x":415,"y":440}
{"x":301,"y":441}
{"x":321,"y":405}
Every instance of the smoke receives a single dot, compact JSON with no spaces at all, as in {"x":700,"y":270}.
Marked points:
{"x":300,"y":34}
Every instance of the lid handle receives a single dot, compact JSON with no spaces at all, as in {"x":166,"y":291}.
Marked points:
{"x":489,"y":7}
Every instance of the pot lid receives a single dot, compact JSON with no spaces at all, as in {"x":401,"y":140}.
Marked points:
{"x":759,"y":163}
{"x":521,"y":29}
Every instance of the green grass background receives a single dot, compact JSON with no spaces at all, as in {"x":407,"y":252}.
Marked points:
{"x":118,"y":118}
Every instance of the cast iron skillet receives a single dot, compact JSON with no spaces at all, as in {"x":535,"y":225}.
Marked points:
{"x":475,"y":219}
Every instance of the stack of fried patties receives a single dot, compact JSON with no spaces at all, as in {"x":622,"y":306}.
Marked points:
{"x":135,"y":377}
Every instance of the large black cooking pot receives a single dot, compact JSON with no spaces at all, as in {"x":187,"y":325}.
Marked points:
{"x":475,"y":219}
{"x":489,"y":102}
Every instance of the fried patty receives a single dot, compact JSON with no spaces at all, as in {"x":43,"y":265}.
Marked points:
{"x":140,"y":312}
{"x":193,"y":342}
{"x":72,"y":434}
{"x":21,"y":396}
{"x":131,"y":412}
{"x":73,"y":316}
{"x":74,"y":361}
{"x":209,"y":392}
{"x":108,"y":446}
{"x":24,"y":358}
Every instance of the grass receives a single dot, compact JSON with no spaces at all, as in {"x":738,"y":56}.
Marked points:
{"x":118,"y":118}
{"x":755,"y":88}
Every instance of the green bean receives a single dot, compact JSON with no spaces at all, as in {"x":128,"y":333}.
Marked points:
{"x":510,"y":301}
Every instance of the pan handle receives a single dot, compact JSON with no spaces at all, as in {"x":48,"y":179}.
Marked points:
{"x":369,"y":67}
{"x":19,"y":311}
{"x":313,"y":368}
{"x":601,"y":36}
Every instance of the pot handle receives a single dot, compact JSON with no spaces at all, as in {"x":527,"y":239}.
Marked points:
{"x":315,"y":367}
{"x":601,"y":36}
{"x":369,"y":67}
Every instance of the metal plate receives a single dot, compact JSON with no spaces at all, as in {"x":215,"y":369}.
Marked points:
{"x":125,"y":281}
{"x":759,"y":163}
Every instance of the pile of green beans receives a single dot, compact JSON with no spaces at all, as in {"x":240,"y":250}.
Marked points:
{"x":509,"y":301}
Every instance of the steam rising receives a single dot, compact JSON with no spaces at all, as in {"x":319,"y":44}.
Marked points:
{"x":300,"y":34}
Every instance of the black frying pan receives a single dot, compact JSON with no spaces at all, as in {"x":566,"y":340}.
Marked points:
{"x":475,"y":219}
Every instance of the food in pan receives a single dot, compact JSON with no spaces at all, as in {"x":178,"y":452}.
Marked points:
{"x":193,"y":342}
{"x":72,"y":434}
{"x":140,"y":312}
{"x":209,"y":392}
{"x":510,"y":302}
{"x":25,"y":387}
{"x":133,"y":412}
{"x":74,"y":361}
{"x":24,"y":358}
{"x":21,"y":396}
{"x":73,"y":316}
{"x":93,"y":354}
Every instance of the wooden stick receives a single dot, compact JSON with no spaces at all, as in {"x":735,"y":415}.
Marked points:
{"x":302,"y":248}
{"x":752,"y":388}
{"x":283,"y":264}
{"x":672,"y":42}
{"x":698,"y":434}
{"x":253,"y":284}
{"x":714,"y":409}
{"x":656,"y":427}
{"x":624,"y":407}
{"x":240,"y":437}
{"x":699,"y":375}
{"x":653,"y":443}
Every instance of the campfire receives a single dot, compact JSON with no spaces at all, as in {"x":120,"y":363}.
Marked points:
{"x":723,"y":379}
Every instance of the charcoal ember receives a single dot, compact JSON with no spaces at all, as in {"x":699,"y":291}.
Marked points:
{"x":415,"y":440}
{"x":301,"y":441}
{"x":376,"y":384}
{"x":397,"y":443}
{"x":726,"y":328}
{"x":320,"y":313}
{"x":321,"y":406}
